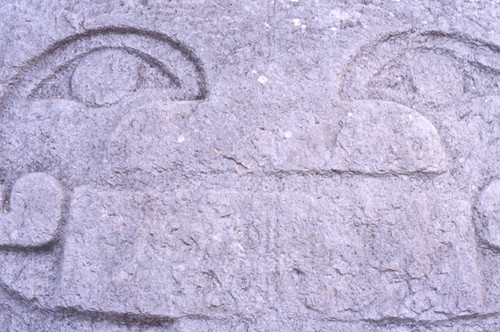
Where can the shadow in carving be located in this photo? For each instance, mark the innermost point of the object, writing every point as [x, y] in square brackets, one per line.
[413, 67]
[48, 74]
[409, 149]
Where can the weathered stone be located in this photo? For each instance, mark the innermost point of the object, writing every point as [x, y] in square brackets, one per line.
[35, 212]
[249, 166]
[488, 221]
[380, 137]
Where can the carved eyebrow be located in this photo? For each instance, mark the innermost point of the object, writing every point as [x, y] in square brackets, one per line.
[374, 56]
[175, 60]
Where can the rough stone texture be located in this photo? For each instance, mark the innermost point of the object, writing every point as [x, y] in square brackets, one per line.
[387, 138]
[281, 165]
[35, 212]
[488, 219]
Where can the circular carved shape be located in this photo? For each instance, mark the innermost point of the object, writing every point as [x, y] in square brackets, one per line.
[103, 78]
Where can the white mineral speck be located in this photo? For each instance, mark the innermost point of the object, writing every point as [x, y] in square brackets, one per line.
[180, 139]
[263, 79]
[296, 21]
[288, 134]
[339, 15]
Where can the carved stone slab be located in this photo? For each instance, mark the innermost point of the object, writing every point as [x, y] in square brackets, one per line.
[249, 166]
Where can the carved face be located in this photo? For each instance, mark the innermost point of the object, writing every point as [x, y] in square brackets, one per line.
[174, 207]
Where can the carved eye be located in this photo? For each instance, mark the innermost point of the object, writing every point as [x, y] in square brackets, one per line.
[101, 66]
[412, 68]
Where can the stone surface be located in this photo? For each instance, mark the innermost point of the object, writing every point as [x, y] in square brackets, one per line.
[386, 138]
[35, 212]
[488, 220]
[283, 165]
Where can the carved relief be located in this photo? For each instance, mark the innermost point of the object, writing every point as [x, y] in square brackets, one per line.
[385, 151]
[374, 208]
[87, 81]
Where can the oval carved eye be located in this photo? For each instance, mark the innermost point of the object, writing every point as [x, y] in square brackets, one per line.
[100, 66]
[426, 67]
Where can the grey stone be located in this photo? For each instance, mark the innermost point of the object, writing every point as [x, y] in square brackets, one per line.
[281, 165]
[488, 222]
[370, 248]
[382, 137]
[35, 212]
